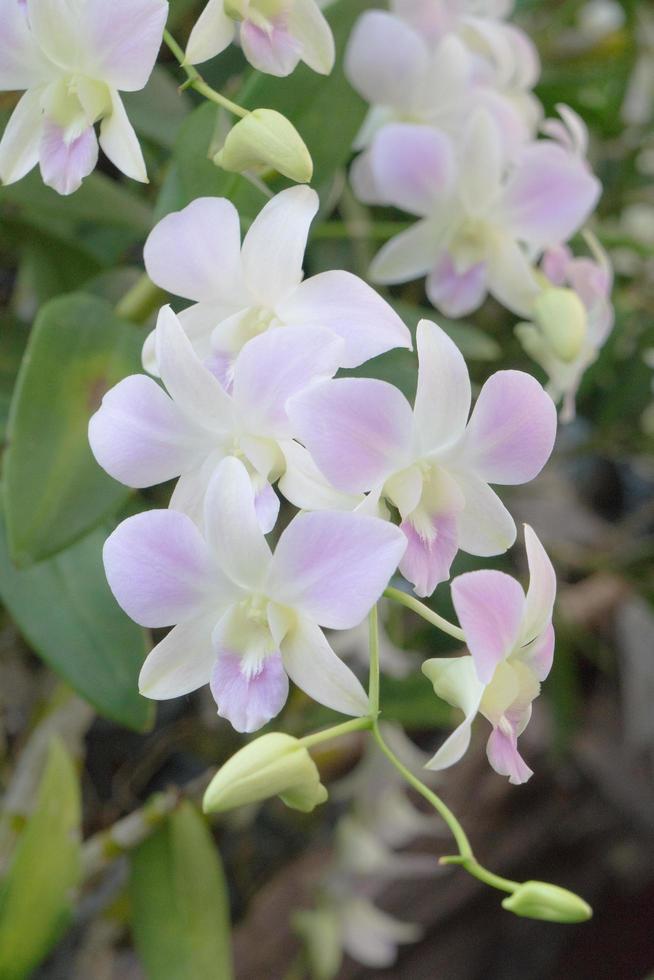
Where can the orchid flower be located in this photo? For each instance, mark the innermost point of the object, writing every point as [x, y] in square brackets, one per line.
[238, 293]
[246, 620]
[431, 463]
[142, 435]
[73, 59]
[511, 643]
[483, 223]
[408, 75]
[275, 34]
[571, 320]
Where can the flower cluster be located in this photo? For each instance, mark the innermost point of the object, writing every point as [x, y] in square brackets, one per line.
[73, 59]
[246, 406]
[452, 139]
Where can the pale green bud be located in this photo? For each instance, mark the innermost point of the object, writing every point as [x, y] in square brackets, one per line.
[562, 317]
[540, 900]
[266, 139]
[272, 765]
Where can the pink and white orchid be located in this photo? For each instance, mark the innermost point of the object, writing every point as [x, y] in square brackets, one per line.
[241, 292]
[432, 463]
[484, 221]
[142, 435]
[410, 74]
[572, 318]
[511, 642]
[275, 34]
[246, 620]
[73, 59]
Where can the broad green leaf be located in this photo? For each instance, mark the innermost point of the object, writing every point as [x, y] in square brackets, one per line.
[36, 897]
[65, 611]
[179, 901]
[99, 200]
[54, 490]
[13, 338]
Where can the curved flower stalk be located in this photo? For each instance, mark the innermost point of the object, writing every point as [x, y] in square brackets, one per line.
[483, 220]
[572, 320]
[142, 435]
[73, 59]
[275, 34]
[432, 463]
[239, 292]
[246, 620]
[511, 643]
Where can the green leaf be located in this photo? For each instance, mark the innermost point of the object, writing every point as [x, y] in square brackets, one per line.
[13, 338]
[54, 490]
[36, 897]
[99, 200]
[159, 109]
[473, 342]
[179, 901]
[66, 612]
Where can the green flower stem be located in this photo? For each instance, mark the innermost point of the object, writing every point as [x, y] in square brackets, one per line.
[465, 858]
[140, 301]
[373, 686]
[356, 725]
[419, 607]
[196, 81]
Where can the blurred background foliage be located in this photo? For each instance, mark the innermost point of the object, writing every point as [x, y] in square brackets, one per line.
[107, 868]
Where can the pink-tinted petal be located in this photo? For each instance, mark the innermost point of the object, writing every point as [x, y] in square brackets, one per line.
[428, 558]
[122, 39]
[503, 755]
[248, 698]
[309, 26]
[22, 64]
[555, 264]
[196, 253]
[212, 33]
[542, 587]
[456, 293]
[443, 395]
[482, 162]
[412, 166]
[312, 664]
[333, 566]
[139, 436]
[348, 306]
[385, 59]
[266, 505]
[274, 51]
[512, 429]
[159, 568]
[490, 607]
[455, 681]
[305, 486]
[549, 196]
[485, 526]
[120, 143]
[410, 254]
[195, 390]
[273, 249]
[358, 430]
[276, 365]
[21, 140]
[182, 661]
[64, 165]
[539, 655]
[232, 527]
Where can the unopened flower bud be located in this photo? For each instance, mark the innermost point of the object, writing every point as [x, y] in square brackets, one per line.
[272, 765]
[540, 900]
[265, 138]
[562, 317]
